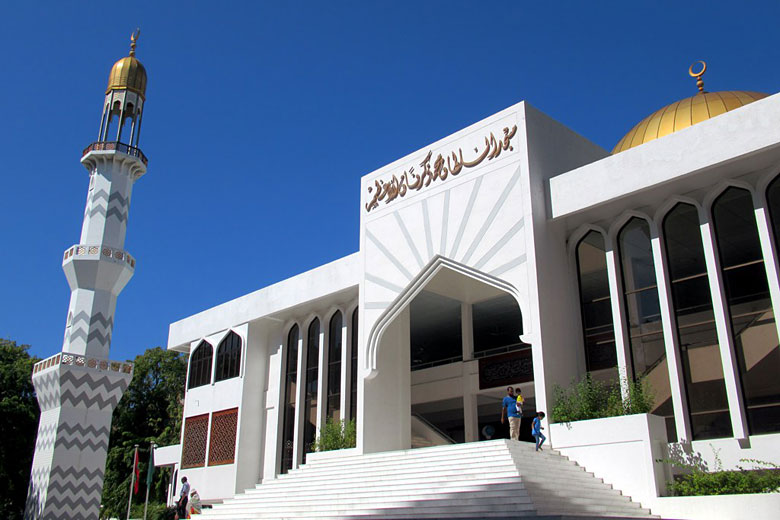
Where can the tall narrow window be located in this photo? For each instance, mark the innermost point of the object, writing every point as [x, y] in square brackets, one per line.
[334, 367]
[228, 357]
[312, 380]
[697, 336]
[648, 352]
[750, 307]
[200, 365]
[290, 391]
[595, 304]
[353, 368]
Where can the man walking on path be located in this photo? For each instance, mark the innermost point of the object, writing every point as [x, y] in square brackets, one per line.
[509, 410]
[181, 505]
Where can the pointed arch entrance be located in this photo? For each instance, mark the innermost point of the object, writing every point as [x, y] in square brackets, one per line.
[481, 315]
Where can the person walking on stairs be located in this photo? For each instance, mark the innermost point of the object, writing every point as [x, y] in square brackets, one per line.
[536, 430]
[509, 411]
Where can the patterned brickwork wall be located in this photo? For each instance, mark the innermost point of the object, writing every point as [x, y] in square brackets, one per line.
[222, 445]
[193, 453]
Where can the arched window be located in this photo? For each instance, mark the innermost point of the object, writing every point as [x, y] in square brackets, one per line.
[290, 393]
[697, 336]
[750, 307]
[595, 304]
[228, 357]
[334, 367]
[353, 368]
[312, 381]
[647, 348]
[200, 365]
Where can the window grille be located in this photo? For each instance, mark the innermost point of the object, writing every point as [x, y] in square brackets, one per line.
[222, 445]
[193, 453]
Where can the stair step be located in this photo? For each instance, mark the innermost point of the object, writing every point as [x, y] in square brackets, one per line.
[492, 479]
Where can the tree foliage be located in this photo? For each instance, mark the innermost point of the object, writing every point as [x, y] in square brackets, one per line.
[150, 411]
[18, 427]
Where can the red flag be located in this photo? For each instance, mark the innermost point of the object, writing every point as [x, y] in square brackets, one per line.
[136, 472]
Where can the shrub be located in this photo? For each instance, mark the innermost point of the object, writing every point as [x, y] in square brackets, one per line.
[592, 399]
[336, 435]
[763, 477]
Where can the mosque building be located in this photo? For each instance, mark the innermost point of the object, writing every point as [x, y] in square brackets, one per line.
[514, 252]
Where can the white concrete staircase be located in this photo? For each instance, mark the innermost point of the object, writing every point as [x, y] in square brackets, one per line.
[494, 479]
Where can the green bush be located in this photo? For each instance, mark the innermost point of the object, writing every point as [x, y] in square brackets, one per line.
[592, 399]
[763, 477]
[337, 435]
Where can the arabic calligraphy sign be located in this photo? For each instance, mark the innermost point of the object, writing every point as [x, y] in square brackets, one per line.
[443, 167]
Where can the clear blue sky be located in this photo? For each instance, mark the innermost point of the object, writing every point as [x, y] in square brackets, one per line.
[261, 117]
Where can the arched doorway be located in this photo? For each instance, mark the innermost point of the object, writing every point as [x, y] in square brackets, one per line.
[443, 353]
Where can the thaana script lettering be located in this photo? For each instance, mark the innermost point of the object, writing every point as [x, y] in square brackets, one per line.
[453, 164]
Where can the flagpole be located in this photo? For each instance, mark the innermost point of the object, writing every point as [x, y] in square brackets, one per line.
[148, 479]
[132, 483]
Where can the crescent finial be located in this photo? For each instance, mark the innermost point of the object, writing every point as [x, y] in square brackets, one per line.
[134, 40]
[698, 75]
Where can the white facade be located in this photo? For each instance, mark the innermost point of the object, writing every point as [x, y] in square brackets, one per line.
[497, 210]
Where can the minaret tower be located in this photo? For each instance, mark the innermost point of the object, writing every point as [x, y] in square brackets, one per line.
[79, 388]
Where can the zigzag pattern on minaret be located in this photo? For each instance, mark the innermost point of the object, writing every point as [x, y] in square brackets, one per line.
[47, 390]
[108, 205]
[88, 390]
[86, 328]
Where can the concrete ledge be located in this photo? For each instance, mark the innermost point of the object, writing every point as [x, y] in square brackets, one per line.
[620, 450]
[319, 456]
[719, 507]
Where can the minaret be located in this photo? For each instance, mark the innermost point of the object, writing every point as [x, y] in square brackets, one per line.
[79, 388]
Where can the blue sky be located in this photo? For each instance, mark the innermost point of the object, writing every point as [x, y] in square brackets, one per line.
[261, 117]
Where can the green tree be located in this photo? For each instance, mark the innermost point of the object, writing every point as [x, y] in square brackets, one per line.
[18, 426]
[150, 411]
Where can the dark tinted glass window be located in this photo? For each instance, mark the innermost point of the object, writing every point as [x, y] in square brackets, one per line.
[290, 393]
[436, 336]
[497, 324]
[595, 303]
[648, 351]
[696, 333]
[334, 366]
[312, 382]
[353, 368]
[200, 365]
[228, 357]
[750, 307]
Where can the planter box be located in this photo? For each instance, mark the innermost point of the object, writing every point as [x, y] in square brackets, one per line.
[319, 456]
[623, 451]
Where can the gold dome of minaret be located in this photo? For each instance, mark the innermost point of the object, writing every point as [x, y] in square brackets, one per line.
[128, 73]
[686, 112]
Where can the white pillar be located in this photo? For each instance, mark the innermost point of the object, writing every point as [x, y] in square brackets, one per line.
[671, 342]
[723, 325]
[346, 367]
[322, 380]
[768, 250]
[622, 341]
[300, 381]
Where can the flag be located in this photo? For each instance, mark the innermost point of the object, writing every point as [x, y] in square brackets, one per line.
[150, 473]
[136, 472]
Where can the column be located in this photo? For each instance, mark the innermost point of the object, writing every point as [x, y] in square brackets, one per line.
[723, 325]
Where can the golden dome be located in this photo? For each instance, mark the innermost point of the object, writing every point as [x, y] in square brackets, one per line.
[128, 73]
[685, 113]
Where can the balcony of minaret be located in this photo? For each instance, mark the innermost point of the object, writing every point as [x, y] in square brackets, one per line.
[101, 151]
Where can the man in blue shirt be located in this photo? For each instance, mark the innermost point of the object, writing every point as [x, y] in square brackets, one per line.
[509, 410]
